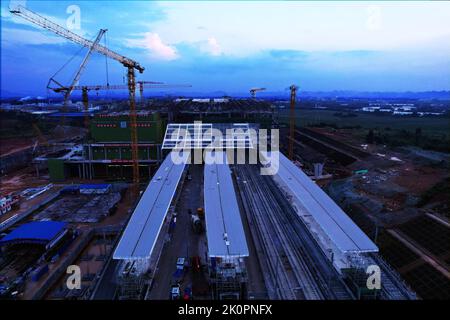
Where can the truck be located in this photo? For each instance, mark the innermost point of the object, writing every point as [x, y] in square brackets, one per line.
[197, 225]
[201, 213]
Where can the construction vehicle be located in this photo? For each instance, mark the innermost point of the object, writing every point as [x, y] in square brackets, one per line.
[201, 213]
[197, 225]
[8, 203]
[293, 89]
[254, 90]
[128, 63]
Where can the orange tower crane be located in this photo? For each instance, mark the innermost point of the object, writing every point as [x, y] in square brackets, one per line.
[128, 63]
[142, 84]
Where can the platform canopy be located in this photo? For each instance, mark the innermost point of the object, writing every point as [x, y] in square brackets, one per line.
[201, 135]
[224, 230]
[142, 230]
[39, 232]
[335, 223]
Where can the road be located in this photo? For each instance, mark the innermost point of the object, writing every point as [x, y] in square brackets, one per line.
[191, 197]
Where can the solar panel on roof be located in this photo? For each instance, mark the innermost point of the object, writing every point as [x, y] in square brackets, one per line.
[200, 135]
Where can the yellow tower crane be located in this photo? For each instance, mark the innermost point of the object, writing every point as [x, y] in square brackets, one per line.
[128, 63]
[293, 89]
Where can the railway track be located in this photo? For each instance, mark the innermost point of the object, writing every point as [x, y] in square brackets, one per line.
[294, 271]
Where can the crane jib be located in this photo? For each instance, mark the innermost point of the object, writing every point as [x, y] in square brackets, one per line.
[51, 26]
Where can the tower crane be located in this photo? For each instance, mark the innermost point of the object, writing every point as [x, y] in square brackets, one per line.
[67, 91]
[128, 63]
[142, 84]
[141, 89]
[254, 90]
[293, 89]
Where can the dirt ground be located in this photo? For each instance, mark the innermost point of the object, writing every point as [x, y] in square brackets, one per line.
[9, 146]
[20, 180]
[418, 179]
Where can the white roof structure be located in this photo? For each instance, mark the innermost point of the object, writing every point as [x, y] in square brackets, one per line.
[338, 227]
[224, 230]
[202, 135]
[141, 233]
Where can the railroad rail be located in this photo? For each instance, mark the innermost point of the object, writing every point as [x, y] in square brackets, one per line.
[297, 267]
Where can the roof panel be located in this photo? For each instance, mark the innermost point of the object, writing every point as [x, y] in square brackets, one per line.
[346, 235]
[141, 233]
[43, 231]
[200, 135]
[224, 230]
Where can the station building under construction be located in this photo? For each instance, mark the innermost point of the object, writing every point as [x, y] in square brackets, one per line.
[340, 249]
[107, 152]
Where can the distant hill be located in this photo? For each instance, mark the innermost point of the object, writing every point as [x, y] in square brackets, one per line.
[123, 94]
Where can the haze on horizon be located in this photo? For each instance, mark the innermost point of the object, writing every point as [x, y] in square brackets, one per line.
[232, 46]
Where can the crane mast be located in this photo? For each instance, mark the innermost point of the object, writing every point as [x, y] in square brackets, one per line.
[130, 64]
[293, 89]
[68, 90]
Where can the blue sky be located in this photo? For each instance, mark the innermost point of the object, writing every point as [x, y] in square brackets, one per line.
[233, 46]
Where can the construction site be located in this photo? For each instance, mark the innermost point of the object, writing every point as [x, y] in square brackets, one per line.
[158, 199]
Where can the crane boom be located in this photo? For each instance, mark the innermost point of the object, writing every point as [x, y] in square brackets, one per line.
[84, 62]
[254, 90]
[130, 64]
[55, 28]
[123, 86]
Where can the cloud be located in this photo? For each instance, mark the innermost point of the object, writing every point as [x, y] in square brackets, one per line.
[155, 46]
[244, 28]
[214, 47]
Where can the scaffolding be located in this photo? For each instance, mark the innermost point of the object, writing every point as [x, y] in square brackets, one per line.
[228, 277]
[132, 277]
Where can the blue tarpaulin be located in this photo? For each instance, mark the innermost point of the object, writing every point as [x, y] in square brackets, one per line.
[94, 186]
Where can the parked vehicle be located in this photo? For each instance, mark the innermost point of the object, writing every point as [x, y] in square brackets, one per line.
[197, 225]
[196, 264]
[8, 203]
[187, 293]
[175, 292]
[179, 272]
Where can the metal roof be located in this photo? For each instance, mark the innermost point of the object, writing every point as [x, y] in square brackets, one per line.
[224, 230]
[341, 230]
[199, 135]
[34, 232]
[141, 233]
